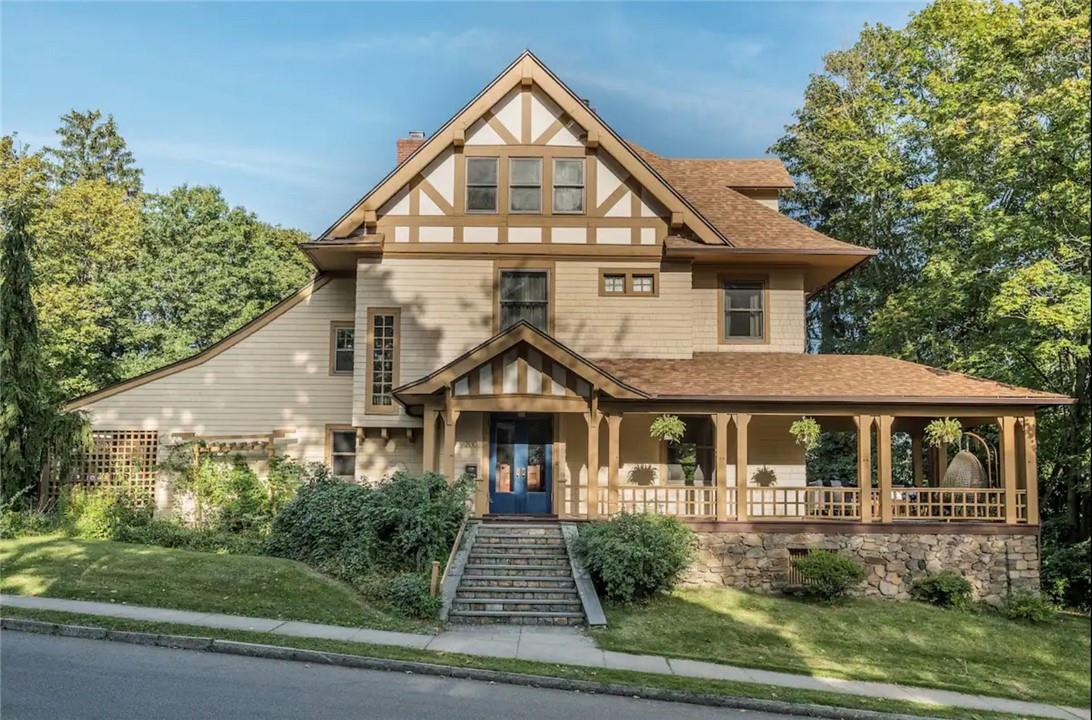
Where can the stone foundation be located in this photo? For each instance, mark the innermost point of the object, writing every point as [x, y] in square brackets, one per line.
[995, 562]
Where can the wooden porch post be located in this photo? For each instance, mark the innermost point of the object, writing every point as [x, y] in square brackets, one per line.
[916, 443]
[883, 441]
[1031, 467]
[1006, 435]
[428, 439]
[592, 418]
[451, 419]
[614, 460]
[864, 465]
[741, 420]
[720, 424]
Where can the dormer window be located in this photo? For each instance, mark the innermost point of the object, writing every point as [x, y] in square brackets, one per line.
[481, 184]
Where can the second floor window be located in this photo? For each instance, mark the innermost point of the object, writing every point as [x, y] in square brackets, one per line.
[568, 185]
[383, 355]
[481, 184]
[525, 185]
[524, 295]
[744, 310]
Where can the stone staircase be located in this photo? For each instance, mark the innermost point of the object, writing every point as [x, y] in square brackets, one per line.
[517, 573]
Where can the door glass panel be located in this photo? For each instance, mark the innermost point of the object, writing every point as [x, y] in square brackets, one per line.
[505, 456]
[536, 467]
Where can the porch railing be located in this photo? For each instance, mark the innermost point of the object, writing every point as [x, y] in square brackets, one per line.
[804, 503]
[699, 502]
[948, 504]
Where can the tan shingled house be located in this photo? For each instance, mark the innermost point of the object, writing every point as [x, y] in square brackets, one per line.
[526, 291]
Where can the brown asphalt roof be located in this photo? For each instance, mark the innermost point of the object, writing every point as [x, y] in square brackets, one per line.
[747, 223]
[805, 377]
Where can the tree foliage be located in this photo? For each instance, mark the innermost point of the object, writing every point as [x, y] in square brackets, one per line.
[91, 148]
[959, 147]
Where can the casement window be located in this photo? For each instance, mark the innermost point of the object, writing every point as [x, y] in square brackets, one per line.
[568, 190]
[744, 310]
[382, 354]
[628, 283]
[341, 452]
[341, 348]
[524, 295]
[525, 185]
[481, 184]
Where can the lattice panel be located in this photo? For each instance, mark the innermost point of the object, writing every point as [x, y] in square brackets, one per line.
[119, 458]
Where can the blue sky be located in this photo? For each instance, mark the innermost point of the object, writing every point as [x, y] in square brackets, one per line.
[293, 108]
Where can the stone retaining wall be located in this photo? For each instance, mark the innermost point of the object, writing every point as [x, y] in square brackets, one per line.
[994, 563]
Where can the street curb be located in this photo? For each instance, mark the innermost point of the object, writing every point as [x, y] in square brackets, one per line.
[317, 657]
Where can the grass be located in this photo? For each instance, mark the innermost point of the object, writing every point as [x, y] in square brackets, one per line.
[63, 567]
[636, 679]
[909, 643]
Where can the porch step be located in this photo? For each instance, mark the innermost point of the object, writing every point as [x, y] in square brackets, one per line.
[517, 573]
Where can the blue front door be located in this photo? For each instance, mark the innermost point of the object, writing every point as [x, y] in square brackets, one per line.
[520, 464]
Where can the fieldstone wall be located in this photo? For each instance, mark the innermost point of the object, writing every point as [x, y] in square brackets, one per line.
[995, 563]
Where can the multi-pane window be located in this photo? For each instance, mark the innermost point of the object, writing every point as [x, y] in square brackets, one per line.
[342, 347]
[744, 311]
[524, 295]
[383, 354]
[525, 185]
[568, 190]
[343, 453]
[481, 184]
[614, 284]
[643, 284]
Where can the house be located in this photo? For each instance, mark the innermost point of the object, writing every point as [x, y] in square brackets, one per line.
[526, 291]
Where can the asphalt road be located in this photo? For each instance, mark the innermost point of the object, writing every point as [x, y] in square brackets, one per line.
[60, 678]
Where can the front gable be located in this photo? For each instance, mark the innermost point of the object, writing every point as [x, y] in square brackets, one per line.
[525, 113]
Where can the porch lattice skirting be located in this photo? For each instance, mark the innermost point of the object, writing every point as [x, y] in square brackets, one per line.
[995, 563]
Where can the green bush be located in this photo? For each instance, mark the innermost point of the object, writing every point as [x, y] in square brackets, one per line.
[945, 588]
[1028, 607]
[101, 513]
[171, 534]
[1067, 574]
[405, 593]
[828, 575]
[19, 523]
[636, 555]
[351, 531]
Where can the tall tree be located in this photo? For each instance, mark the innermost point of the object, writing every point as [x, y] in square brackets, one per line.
[91, 148]
[959, 147]
[23, 409]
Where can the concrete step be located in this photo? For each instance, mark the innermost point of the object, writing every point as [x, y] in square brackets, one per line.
[549, 582]
[520, 540]
[520, 530]
[496, 568]
[520, 550]
[486, 593]
[480, 617]
[516, 605]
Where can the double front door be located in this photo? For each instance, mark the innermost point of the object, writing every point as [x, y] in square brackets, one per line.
[520, 464]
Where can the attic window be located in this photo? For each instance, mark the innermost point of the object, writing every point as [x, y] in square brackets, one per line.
[568, 185]
[481, 184]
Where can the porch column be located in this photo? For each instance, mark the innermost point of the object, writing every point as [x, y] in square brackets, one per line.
[1006, 436]
[614, 460]
[593, 418]
[916, 443]
[883, 462]
[428, 439]
[741, 420]
[720, 463]
[451, 418]
[864, 465]
[1031, 466]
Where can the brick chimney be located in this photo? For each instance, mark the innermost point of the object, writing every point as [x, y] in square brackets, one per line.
[410, 143]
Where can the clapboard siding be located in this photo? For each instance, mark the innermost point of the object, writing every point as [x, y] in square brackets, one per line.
[786, 311]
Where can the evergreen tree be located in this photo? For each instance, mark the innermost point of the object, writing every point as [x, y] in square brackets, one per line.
[92, 149]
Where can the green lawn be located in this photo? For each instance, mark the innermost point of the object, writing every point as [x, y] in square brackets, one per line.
[63, 567]
[908, 643]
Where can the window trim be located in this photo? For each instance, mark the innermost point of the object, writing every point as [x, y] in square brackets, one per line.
[722, 280]
[329, 450]
[583, 187]
[501, 265]
[467, 185]
[628, 273]
[336, 325]
[511, 185]
[393, 408]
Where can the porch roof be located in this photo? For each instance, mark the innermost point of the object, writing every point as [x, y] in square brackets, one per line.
[801, 377]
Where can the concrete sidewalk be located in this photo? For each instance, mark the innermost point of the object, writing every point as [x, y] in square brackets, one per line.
[565, 646]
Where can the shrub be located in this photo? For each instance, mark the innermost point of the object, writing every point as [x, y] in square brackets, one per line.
[1028, 607]
[636, 555]
[171, 534]
[18, 523]
[101, 512]
[407, 594]
[946, 589]
[1067, 574]
[828, 575]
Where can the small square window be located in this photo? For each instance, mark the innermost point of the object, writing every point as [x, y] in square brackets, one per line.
[643, 284]
[615, 284]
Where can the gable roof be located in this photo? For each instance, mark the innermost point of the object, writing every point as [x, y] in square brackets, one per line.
[738, 173]
[521, 332]
[528, 70]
